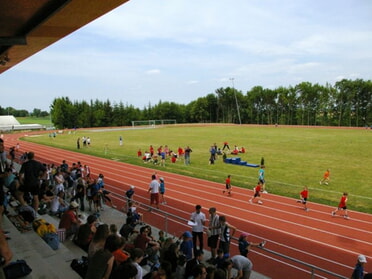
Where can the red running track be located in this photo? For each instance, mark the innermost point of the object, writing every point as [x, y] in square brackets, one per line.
[315, 237]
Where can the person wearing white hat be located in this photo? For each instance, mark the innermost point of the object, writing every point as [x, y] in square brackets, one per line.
[358, 272]
[69, 220]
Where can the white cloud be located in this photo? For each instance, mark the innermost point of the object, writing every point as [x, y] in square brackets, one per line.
[179, 50]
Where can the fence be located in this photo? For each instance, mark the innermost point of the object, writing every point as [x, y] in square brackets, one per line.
[165, 220]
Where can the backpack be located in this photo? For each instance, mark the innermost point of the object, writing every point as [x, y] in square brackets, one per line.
[17, 269]
[47, 232]
[80, 266]
[42, 227]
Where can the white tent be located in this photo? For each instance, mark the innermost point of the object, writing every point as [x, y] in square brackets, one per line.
[9, 123]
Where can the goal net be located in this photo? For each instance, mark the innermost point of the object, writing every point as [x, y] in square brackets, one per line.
[153, 123]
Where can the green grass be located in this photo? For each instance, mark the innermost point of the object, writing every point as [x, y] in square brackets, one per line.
[294, 157]
[45, 121]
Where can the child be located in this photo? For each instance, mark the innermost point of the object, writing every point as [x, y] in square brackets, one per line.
[342, 206]
[161, 239]
[245, 246]
[162, 190]
[186, 246]
[228, 185]
[326, 178]
[304, 195]
[257, 193]
[220, 259]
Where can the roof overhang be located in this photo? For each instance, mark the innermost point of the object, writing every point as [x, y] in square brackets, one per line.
[28, 26]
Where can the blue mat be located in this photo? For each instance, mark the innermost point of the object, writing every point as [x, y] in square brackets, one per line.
[252, 165]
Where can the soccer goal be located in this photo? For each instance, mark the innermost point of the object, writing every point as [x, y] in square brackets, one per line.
[153, 123]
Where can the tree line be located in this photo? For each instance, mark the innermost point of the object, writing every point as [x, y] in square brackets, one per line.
[346, 103]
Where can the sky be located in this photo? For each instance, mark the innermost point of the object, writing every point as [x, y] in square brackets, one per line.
[147, 51]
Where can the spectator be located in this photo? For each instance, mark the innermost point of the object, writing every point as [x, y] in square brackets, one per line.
[99, 239]
[129, 193]
[198, 259]
[171, 255]
[86, 232]
[3, 176]
[198, 218]
[127, 229]
[147, 244]
[69, 220]
[162, 190]
[243, 266]
[358, 272]
[227, 231]
[187, 153]
[137, 257]
[127, 270]
[154, 190]
[187, 245]
[58, 205]
[119, 254]
[101, 263]
[245, 246]
[30, 174]
[80, 193]
[199, 272]
[5, 253]
[213, 232]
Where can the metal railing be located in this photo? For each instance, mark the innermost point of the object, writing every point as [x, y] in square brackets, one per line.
[175, 218]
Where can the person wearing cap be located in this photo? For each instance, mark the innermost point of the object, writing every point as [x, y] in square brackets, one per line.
[69, 220]
[245, 245]
[186, 245]
[358, 272]
[162, 190]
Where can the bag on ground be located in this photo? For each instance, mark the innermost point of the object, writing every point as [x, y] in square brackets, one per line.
[17, 269]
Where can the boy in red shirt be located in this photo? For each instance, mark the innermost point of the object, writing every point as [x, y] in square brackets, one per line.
[257, 193]
[342, 206]
[304, 195]
[228, 185]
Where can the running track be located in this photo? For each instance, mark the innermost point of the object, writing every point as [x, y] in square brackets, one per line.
[314, 237]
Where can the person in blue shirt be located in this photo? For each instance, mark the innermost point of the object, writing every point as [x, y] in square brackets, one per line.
[162, 190]
[358, 272]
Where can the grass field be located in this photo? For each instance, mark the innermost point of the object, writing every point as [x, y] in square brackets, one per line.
[45, 121]
[294, 156]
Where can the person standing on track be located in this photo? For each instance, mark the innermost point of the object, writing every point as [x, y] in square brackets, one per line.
[304, 195]
[162, 190]
[342, 206]
[154, 190]
[227, 185]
